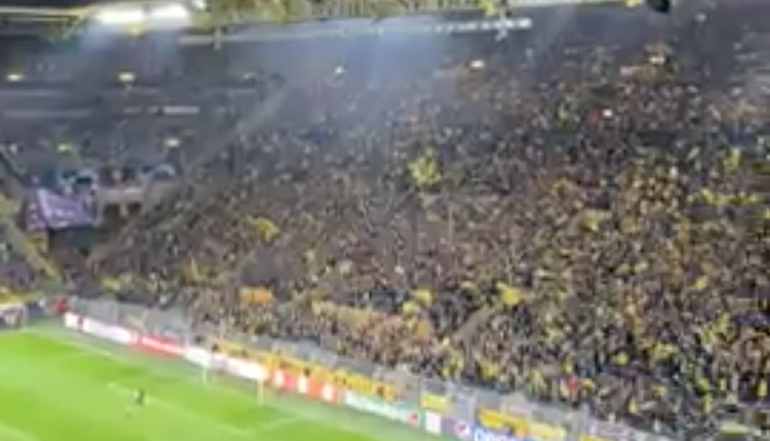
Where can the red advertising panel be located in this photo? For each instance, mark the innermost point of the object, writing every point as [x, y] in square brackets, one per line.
[309, 387]
[289, 383]
[159, 345]
[321, 391]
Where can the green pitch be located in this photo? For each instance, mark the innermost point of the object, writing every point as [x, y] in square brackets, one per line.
[57, 386]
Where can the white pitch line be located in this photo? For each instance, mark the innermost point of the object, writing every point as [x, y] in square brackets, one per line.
[181, 410]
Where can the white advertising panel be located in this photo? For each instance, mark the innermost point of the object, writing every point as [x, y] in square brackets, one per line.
[72, 321]
[108, 332]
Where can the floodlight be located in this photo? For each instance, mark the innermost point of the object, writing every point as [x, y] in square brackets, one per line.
[477, 64]
[126, 77]
[200, 5]
[169, 13]
[121, 17]
[14, 77]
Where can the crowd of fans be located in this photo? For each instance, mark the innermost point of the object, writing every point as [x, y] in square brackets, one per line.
[581, 215]
[578, 212]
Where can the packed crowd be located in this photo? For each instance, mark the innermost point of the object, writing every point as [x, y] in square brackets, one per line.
[579, 212]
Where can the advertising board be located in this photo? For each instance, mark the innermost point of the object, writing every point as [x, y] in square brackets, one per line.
[72, 321]
[11, 315]
[340, 378]
[309, 387]
[546, 432]
[398, 412]
[108, 332]
[467, 431]
[433, 423]
[199, 356]
[607, 431]
[436, 403]
[159, 345]
[499, 422]
[245, 369]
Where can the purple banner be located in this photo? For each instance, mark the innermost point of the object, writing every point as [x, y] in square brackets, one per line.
[48, 210]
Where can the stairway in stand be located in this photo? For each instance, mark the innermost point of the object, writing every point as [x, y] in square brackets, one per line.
[11, 176]
[479, 318]
[22, 243]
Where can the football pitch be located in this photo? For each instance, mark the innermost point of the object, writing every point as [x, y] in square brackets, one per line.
[60, 386]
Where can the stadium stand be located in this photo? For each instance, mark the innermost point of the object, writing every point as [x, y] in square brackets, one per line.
[16, 272]
[578, 212]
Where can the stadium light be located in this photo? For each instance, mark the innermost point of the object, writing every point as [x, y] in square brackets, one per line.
[126, 77]
[14, 77]
[201, 5]
[121, 17]
[65, 147]
[477, 65]
[169, 13]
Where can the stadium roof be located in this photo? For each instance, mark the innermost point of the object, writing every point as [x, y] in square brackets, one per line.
[57, 18]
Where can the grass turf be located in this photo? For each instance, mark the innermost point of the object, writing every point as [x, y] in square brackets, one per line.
[60, 386]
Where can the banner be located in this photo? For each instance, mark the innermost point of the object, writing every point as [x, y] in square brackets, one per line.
[399, 412]
[72, 321]
[363, 385]
[48, 210]
[307, 387]
[108, 332]
[199, 356]
[436, 403]
[602, 431]
[236, 350]
[11, 315]
[159, 345]
[466, 431]
[546, 432]
[501, 422]
[245, 369]
[433, 423]
[341, 378]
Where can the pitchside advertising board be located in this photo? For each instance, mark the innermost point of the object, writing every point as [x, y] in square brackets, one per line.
[395, 411]
[11, 315]
[15, 314]
[468, 431]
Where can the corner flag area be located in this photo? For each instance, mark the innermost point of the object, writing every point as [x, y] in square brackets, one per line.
[58, 386]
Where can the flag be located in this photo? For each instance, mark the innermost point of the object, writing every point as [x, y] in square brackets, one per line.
[46, 209]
